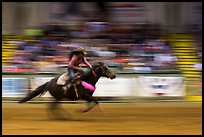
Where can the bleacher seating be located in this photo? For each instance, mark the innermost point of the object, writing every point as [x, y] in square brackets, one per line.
[185, 50]
[8, 48]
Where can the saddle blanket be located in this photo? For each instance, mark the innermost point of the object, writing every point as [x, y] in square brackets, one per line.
[62, 79]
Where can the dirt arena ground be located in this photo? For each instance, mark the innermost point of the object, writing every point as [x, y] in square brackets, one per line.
[160, 118]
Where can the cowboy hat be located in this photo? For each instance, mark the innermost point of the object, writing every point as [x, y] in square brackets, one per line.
[82, 50]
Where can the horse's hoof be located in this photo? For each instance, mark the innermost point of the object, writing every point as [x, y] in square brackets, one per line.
[81, 111]
[21, 101]
[84, 111]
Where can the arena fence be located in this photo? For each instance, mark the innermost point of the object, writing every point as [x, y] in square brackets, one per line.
[128, 85]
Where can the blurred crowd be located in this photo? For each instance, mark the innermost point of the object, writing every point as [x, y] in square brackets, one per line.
[124, 47]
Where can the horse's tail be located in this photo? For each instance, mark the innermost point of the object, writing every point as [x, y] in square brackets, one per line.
[39, 90]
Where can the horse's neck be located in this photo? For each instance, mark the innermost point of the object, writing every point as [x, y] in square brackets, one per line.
[92, 79]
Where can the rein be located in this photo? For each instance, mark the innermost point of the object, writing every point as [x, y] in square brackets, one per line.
[94, 73]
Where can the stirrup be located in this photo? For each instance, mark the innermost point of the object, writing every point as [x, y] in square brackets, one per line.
[66, 88]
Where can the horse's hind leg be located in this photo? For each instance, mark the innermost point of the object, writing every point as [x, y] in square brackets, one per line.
[53, 108]
[56, 111]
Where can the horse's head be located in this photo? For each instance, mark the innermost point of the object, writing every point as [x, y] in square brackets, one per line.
[102, 69]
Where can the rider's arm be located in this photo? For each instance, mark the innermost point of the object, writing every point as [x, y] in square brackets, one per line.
[72, 61]
[87, 63]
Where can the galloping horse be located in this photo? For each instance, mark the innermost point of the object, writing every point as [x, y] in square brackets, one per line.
[79, 91]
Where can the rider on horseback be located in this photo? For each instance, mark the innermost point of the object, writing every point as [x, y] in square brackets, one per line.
[76, 58]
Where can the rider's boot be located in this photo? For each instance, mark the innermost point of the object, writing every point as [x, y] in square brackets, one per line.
[69, 84]
[66, 86]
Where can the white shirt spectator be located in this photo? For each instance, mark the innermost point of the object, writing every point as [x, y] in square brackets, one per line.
[198, 66]
[165, 58]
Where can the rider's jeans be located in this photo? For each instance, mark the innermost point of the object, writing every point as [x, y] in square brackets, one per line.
[71, 76]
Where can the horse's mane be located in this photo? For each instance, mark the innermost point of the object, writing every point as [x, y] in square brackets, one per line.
[96, 64]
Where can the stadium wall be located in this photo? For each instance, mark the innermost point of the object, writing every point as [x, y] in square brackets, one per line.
[123, 86]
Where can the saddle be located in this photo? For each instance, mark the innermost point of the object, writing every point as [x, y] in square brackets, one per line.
[62, 80]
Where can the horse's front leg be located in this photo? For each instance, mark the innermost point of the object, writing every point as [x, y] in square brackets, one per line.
[100, 108]
[93, 106]
[90, 99]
